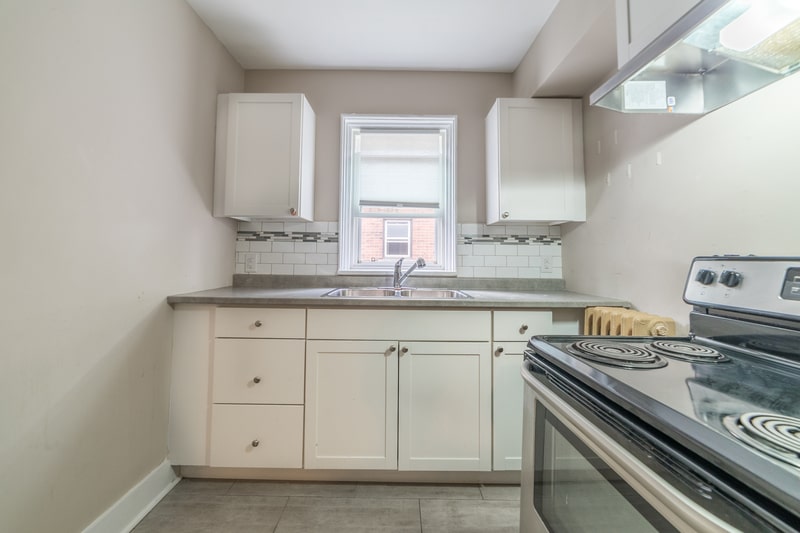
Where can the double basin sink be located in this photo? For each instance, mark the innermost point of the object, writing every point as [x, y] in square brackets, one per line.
[388, 292]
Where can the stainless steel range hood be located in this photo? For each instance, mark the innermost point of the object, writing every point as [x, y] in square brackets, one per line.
[718, 52]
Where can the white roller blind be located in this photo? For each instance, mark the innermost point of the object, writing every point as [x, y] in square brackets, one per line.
[399, 168]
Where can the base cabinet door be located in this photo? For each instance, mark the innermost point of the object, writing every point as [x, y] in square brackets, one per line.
[351, 405]
[445, 406]
[507, 405]
[257, 436]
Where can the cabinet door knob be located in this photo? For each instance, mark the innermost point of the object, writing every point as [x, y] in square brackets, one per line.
[505, 214]
[498, 351]
[404, 349]
[256, 379]
[392, 348]
[255, 443]
[258, 323]
[293, 212]
[523, 328]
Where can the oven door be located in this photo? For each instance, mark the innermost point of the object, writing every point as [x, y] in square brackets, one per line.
[575, 477]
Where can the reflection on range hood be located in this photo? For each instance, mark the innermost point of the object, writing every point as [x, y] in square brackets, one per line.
[718, 52]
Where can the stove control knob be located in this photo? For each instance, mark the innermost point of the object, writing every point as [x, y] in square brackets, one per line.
[706, 277]
[729, 278]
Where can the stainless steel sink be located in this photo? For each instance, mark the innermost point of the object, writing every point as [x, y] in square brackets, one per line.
[417, 294]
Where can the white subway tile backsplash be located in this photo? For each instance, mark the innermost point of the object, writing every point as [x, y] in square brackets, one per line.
[296, 248]
[327, 247]
[283, 270]
[507, 272]
[517, 261]
[317, 259]
[271, 258]
[495, 260]
[260, 246]
[506, 249]
[305, 270]
[283, 247]
[326, 270]
[465, 272]
[483, 249]
[270, 226]
[530, 273]
[294, 259]
[474, 261]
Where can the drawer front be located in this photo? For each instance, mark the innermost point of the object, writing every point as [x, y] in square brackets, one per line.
[259, 371]
[396, 324]
[521, 325]
[258, 436]
[255, 323]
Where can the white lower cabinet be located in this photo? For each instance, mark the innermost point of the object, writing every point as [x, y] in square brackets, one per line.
[421, 404]
[445, 406]
[511, 331]
[507, 406]
[351, 404]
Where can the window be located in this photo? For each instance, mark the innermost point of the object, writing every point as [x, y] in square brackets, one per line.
[397, 193]
[397, 238]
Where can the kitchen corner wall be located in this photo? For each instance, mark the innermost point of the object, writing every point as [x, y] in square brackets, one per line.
[312, 249]
[107, 130]
[663, 189]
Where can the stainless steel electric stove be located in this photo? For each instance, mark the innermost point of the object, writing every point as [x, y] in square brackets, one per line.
[678, 433]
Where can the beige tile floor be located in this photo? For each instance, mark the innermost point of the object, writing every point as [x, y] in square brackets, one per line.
[204, 506]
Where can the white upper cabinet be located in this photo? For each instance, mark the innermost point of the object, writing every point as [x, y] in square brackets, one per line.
[264, 165]
[640, 22]
[534, 161]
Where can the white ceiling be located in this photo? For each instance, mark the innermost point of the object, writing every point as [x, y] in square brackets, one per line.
[464, 35]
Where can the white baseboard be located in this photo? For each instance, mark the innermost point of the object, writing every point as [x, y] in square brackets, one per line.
[137, 502]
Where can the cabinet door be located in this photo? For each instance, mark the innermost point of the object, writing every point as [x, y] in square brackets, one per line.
[351, 405]
[640, 22]
[445, 406]
[507, 405]
[264, 156]
[535, 171]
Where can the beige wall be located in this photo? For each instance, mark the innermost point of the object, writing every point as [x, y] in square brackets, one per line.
[728, 183]
[331, 93]
[108, 136]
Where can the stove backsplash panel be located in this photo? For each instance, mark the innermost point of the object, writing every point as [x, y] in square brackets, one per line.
[312, 249]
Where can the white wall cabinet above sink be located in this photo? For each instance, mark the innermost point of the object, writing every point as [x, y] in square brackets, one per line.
[640, 22]
[264, 165]
[534, 161]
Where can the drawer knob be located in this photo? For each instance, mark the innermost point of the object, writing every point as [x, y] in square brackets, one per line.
[258, 323]
[523, 328]
[255, 443]
[498, 351]
[506, 214]
[404, 349]
[293, 212]
[392, 348]
[257, 379]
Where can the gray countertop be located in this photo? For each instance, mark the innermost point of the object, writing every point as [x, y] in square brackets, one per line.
[314, 297]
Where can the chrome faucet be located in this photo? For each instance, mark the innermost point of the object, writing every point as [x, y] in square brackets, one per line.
[399, 277]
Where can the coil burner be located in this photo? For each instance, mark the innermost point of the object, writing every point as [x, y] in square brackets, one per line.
[775, 435]
[685, 351]
[616, 354]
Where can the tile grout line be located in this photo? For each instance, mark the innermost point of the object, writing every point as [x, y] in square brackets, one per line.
[283, 510]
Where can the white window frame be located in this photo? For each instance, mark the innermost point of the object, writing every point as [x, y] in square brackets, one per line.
[386, 239]
[348, 202]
